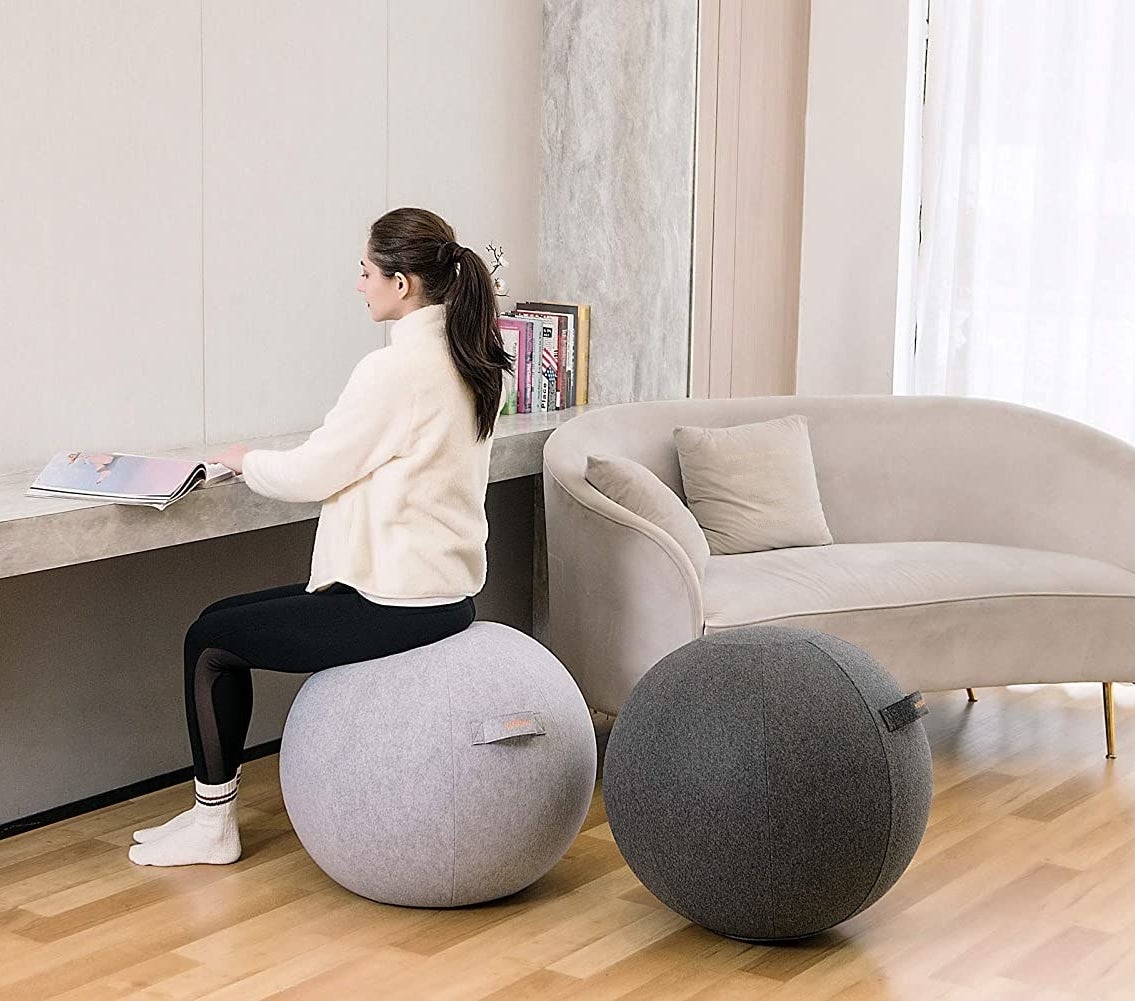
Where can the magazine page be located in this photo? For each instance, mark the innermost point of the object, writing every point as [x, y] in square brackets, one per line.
[218, 472]
[117, 476]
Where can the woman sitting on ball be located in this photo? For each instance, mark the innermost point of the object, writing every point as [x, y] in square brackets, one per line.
[401, 464]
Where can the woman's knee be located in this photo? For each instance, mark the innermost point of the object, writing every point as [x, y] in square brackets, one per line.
[193, 644]
[217, 606]
[199, 636]
[233, 601]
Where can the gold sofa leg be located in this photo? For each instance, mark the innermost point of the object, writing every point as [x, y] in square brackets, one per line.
[972, 694]
[1109, 717]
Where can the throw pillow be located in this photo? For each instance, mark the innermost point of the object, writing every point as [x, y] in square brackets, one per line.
[631, 485]
[753, 487]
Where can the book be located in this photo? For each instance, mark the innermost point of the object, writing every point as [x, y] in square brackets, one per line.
[579, 345]
[522, 325]
[511, 332]
[531, 339]
[552, 358]
[562, 386]
[124, 478]
[582, 352]
[545, 358]
[570, 364]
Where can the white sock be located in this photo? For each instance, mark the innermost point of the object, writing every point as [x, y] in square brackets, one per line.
[210, 837]
[183, 819]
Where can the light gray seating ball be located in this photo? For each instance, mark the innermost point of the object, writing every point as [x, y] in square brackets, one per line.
[754, 786]
[450, 774]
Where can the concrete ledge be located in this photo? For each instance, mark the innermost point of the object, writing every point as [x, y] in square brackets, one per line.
[41, 533]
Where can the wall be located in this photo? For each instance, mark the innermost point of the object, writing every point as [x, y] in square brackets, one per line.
[186, 188]
[860, 193]
[616, 182]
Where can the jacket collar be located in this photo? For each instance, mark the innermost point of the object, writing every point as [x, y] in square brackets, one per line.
[426, 321]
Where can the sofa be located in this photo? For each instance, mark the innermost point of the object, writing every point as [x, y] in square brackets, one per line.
[975, 543]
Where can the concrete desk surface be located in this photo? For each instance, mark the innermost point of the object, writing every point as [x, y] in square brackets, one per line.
[41, 533]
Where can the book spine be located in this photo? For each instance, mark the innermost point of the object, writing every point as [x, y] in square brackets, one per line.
[520, 372]
[583, 351]
[512, 347]
[561, 363]
[529, 365]
[548, 367]
[521, 366]
[572, 377]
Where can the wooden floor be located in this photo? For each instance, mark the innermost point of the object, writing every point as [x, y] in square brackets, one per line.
[1023, 888]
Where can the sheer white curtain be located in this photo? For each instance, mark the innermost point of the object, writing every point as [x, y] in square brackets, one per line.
[1026, 276]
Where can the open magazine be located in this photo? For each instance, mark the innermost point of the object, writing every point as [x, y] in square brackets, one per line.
[123, 478]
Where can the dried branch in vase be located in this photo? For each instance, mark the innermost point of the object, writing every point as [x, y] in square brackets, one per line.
[500, 286]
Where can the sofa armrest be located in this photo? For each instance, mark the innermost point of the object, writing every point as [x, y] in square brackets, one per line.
[622, 593]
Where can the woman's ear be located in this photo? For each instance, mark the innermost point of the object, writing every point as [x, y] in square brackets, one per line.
[402, 284]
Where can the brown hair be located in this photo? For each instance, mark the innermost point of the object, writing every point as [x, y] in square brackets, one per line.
[420, 243]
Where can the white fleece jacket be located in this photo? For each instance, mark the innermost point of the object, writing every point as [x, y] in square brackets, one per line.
[399, 472]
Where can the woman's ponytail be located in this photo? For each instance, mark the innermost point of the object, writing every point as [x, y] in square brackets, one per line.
[474, 337]
[419, 242]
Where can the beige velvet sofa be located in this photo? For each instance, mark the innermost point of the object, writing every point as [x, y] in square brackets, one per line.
[977, 543]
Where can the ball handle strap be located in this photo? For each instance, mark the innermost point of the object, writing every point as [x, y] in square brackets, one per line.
[904, 712]
[498, 728]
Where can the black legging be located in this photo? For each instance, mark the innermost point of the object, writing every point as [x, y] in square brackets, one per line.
[287, 629]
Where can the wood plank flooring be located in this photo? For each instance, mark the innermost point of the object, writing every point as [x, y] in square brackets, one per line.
[1023, 888]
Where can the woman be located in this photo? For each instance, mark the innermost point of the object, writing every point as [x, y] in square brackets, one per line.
[401, 464]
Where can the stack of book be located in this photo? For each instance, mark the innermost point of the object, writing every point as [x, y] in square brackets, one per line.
[549, 342]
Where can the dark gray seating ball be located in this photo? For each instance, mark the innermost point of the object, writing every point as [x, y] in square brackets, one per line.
[754, 786]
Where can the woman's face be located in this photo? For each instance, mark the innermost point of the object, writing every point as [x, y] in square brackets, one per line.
[384, 299]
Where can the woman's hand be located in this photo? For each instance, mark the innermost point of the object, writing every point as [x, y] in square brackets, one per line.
[233, 457]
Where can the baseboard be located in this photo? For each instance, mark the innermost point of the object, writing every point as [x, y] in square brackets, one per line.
[115, 796]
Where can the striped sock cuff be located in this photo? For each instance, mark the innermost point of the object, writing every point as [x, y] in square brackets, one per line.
[219, 794]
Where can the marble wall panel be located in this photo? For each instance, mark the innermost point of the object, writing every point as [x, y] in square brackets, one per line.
[616, 185]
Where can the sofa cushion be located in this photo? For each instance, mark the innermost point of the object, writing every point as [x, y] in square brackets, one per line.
[752, 487]
[995, 613]
[633, 486]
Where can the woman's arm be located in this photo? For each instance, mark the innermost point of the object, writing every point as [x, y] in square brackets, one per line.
[368, 425]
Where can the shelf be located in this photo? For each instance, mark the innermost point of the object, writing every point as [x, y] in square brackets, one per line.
[41, 533]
